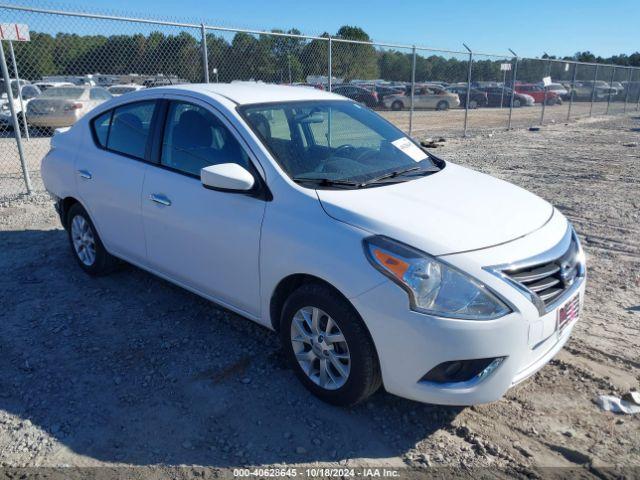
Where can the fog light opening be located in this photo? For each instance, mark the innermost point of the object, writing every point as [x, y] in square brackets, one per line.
[458, 371]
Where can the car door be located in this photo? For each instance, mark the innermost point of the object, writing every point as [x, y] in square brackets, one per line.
[419, 95]
[110, 172]
[431, 98]
[203, 239]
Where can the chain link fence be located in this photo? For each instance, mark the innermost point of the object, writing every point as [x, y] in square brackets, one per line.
[76, 60]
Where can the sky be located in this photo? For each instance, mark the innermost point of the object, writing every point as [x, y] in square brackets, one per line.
[559, 27]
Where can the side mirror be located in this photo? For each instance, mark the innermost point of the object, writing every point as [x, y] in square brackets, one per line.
[227, 177]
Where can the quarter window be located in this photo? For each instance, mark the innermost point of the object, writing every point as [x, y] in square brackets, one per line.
[101, 128]
[194, 138]
[129, 130]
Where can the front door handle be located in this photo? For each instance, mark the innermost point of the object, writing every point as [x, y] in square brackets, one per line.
[161, 199]
[86, 174]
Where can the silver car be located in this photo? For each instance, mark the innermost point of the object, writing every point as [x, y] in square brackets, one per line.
[430, 96]
[63, 106]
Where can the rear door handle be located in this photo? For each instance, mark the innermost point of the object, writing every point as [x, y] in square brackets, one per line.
[161, 199]
[85, 174]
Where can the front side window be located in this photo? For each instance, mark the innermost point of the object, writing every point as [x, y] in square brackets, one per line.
[30, 91]
[194, 138]
[129, 131]
[333, 140]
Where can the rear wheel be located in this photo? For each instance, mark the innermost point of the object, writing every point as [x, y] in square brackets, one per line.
[328, 346]
[473, 104]
[397, 105]
[86, 245]
[516, 103]
[442, 105]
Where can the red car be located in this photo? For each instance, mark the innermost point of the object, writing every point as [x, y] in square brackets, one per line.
[538, 93]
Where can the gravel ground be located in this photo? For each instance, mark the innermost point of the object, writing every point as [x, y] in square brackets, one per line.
[130, 370]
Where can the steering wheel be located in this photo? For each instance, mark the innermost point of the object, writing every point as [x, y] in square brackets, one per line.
[344, 149]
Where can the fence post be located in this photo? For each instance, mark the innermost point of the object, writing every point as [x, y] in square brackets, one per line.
[413, 89]
[15, 73]
[466, 103]
[513, 87]
[626, 93]
[544, 98]
[205, 55]
[638, 102]
[330, 85]
[14, 118]
[613, 73]
[573, 86]
[593, 90]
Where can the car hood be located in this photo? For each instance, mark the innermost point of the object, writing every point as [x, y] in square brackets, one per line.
[451, 211]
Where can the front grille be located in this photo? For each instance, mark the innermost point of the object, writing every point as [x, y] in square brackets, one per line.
[549, 280]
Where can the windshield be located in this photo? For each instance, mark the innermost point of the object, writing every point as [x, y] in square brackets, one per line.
[333, 140]
[64, 92]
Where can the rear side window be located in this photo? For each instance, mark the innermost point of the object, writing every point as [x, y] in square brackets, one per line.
[125, 129]
[130, 127]
[101, 128]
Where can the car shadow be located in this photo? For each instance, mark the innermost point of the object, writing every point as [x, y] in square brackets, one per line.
[129, 368]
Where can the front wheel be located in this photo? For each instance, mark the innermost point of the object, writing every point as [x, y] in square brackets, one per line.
[473, 104]
[86, 245]
[328, 346]
[397, 105]
[442, 105]
[516, 103]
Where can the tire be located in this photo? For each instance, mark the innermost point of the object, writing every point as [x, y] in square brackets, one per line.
[516, 103]
[86, 246]
[397, 105]
[358, 360]
[442, 105]
[552, 101]
[473, 104]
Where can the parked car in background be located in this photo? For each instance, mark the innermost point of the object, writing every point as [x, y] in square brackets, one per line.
[383, 91]
[559, 89]
[395, 267]
[28, 92]
[501, 96]
[117, 90]
[477, 98]
[63, 106]
[43, 86]
[358, 94]
[538, 93]
[585, 89]
[425, 97]
[619, 90]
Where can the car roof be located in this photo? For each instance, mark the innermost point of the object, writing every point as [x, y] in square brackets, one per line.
[244, 93]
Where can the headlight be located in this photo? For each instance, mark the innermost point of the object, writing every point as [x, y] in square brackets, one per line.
[434, 287]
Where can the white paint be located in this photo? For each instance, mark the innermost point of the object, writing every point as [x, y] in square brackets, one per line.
[17, 32]
[234, 249]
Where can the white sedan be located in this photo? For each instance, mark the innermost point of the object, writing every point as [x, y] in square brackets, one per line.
[377, 262]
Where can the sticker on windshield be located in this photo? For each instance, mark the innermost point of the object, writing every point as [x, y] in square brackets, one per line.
[409, 148]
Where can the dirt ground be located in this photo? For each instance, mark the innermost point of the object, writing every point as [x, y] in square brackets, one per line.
[130, 370]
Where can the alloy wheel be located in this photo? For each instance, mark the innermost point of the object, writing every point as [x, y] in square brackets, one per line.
[84, 242]
[320, 348]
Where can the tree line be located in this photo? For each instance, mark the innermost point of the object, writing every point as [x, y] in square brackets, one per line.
[269, 58]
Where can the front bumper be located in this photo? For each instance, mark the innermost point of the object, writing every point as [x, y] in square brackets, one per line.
[410, 344]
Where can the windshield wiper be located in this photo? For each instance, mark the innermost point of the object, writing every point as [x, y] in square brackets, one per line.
[327, 182]
[397, 173]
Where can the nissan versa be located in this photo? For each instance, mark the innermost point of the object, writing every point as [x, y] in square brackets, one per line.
[377, 262]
